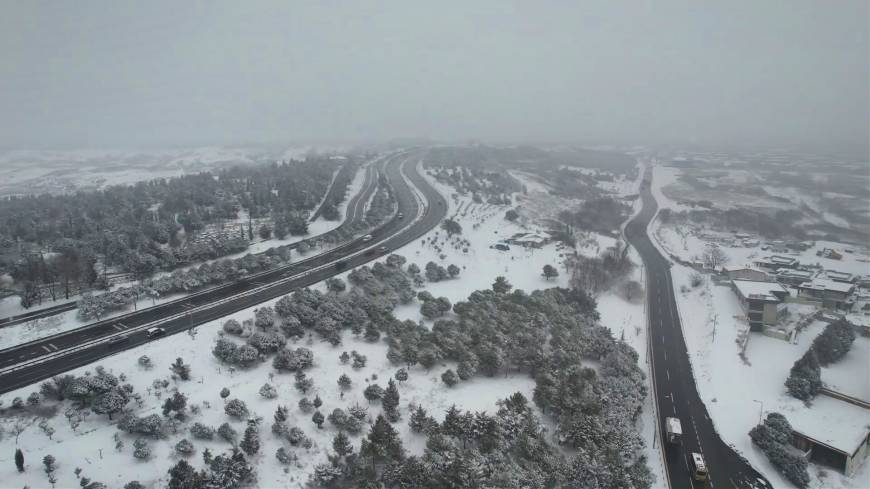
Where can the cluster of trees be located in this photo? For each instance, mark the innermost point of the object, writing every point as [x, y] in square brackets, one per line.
[597, 274]
[547, 333]
[227, 471]
[143, 227]
[773, 436]
[102, 391]
[436, 273]
[602, 215]
[92, 306]
[495, 187]
[832, 344]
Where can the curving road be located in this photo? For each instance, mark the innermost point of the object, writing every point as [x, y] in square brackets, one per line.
[422, 210]
[673, 381]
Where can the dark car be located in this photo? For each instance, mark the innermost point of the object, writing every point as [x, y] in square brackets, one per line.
[155, 332]
[340, 265]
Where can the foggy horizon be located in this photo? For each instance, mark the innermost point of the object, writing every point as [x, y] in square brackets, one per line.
[157, 75]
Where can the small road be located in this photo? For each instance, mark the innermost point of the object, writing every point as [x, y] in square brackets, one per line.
[673, 381]
[38, 360]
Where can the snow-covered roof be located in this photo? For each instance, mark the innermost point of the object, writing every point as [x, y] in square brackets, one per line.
[791, 272]
[759, 290]
[826, 284]
[835, 275]
[836, 423]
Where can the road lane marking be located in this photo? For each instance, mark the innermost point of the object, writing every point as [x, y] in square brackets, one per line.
[52, 346]
[117, 327]
[46, 348]
[122, 325]
[668, 373]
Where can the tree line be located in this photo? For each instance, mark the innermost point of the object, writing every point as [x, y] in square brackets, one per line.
[58, 240]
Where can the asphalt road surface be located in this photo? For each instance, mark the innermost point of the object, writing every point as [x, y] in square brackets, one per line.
[673, 381]
[38, 360]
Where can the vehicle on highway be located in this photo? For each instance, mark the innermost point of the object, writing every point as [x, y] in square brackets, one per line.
[674, 430]
[369, 252]
[117, 339]
[154, 332]
[367, 238]
[400, 215]
[340, 265]
[699, 468]
[383, 249]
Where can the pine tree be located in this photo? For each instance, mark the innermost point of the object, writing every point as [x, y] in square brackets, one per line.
[401, 375]
[390, 401]
[341, 444]
[383, 443]
[19, 460]
[318, 418]
[251, 440]
[344, 382]
[181, 369]
[317, 402]
[449, 378]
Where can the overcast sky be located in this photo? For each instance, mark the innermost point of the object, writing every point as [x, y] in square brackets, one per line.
[122, 74]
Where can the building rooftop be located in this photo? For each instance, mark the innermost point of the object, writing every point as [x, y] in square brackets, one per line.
[827, 284]
[835, 423]
[759, 290]
[842, 276]
[790, 272]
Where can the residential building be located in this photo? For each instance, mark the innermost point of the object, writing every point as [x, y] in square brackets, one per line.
[744, 273]
[527, 240]
[763, 302]
[794, 277]
[831, 294]
[836, 276]
[776, 262]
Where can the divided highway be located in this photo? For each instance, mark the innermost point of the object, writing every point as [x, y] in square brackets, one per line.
[353, 214]
[421, 210]
[673, 382]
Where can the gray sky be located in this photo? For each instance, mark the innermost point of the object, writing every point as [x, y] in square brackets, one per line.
[117, 73]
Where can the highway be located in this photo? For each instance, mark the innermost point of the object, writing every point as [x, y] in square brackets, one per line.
[345, 173]
[673, 381]
[40, 359]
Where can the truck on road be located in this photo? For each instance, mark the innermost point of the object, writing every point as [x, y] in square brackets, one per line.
[673, 430]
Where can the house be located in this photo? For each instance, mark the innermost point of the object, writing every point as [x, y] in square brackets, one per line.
[527, 240]
[776, 262]
[744, 273]
[794, 277]
[763, 302]
[836, 276]
[832, 432]
[831, 294]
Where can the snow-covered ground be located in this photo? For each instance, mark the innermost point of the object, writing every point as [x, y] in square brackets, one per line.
[483, 225]
[41, 328]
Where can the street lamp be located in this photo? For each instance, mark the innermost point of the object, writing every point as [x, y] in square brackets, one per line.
[760, 409]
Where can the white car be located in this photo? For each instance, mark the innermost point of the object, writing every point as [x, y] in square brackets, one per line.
[367, 238]
[155, 332]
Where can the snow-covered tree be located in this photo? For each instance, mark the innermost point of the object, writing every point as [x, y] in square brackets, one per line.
[251, 440]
